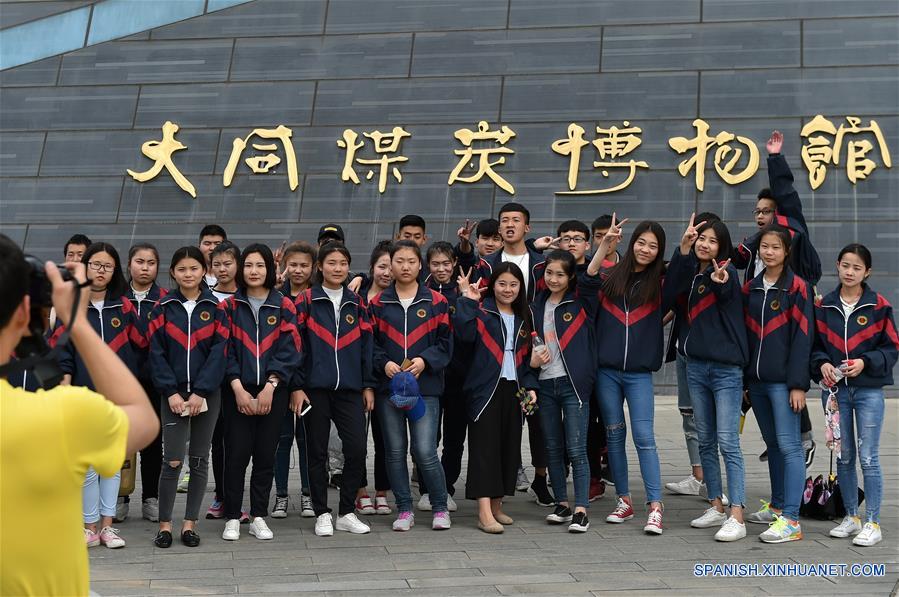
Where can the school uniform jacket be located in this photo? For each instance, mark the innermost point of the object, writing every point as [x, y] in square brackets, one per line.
[536, 265]
[778, 324]
[574, 318]
[461, 359]
[270, 346]
[337, 354]
[804, 258]
[713, 328]
[630, 337]
[143, 308]
[188, 353]
[117, 326]
[868, 334]
[481, 326]
[424, 330]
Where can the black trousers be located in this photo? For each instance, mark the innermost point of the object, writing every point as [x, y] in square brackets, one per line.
[596, 440]
[347, 410]
[455, 426]
[382, 481]
[218, 448]
[251, 437]
[494, 445]
[151, 456]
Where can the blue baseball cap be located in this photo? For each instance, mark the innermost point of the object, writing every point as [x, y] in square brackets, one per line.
[405, 395]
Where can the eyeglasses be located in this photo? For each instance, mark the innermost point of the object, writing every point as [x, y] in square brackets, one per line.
[763, 212]
[100, 267]
[572, 239]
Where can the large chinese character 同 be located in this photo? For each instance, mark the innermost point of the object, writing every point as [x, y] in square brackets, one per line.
[701, 143]
[614, 143]
[817, 152]
[485, 166]
[385, 143]
[264, 163]
[161, 152]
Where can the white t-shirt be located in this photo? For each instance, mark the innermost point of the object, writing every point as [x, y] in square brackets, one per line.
[140, 296]
[523, 262]
[210, 280]
[189, 307]
[768, 285]
[848, 308]
[221, 295]
[98, 305]
[406, 303]
[336, 297]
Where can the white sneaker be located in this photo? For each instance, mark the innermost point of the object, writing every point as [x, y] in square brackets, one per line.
[306, 510]
[731, 530]
[687, 486]
[523, 483]
[851, 525]
[351, 523]
[381, 505]
[710, 518]
[765, 515]
[260, 530]
[150, 509]
[232, 530]
[441, 521]
[704, 493]
[869, 536]
[324, 527]
[424, 504]
[451, 504]
[184, 482]
[404, 522]
[121, 510]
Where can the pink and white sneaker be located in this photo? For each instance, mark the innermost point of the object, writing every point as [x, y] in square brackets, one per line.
[110, 538]
[364, 505]
[654, 522]
[216, 510]
[91, 538]
[404, 522]
[381, 505]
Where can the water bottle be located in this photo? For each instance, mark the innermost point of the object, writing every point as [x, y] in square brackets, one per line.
[538, 342]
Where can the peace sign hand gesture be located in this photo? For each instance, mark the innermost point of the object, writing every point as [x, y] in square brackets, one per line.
[466, 288]
[720, 275]
[614, 232]
[464, 234]
[546, 242]
[690, 235]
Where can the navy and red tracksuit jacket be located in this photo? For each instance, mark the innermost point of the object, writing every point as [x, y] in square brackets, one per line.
[779, 330]
[117, 326]
[481, 326]
[869, 333]
[424, 330]
[629, 336]
[269, 346]
[574, 318]
[188, 353]
[536, 265]
[713, 328]
[804, 258]
[461, 359]
[337, 353]
[143, 308]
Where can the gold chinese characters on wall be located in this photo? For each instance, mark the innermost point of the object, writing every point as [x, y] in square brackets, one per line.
[735, 158]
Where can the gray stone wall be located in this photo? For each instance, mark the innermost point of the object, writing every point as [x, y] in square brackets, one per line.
[70, 125]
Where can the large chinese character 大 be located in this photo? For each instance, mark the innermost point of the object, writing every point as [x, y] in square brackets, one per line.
[261, 164]
[611, 144]
[485, 167]
[702, 143]
[161, 152]
[384, 145]
[817, 152]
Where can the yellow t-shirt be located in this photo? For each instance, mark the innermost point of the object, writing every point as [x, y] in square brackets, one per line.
[47, 442]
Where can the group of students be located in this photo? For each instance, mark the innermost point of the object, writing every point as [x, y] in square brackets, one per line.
[252, 350]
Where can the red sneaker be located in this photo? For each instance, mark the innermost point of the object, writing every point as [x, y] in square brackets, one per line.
[623, 511]
[654, 522]
[597, 489]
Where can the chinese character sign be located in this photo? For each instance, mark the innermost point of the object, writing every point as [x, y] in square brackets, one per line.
[817, 152]
[385, 143]
[161, 152]
[611, 144]
[485, 166]
[702, 143]
[264, 163]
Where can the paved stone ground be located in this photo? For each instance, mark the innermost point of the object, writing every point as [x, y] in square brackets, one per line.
[530, 558]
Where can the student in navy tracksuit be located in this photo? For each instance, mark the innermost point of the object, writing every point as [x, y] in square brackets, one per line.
[563, 316]
[857, 333]
[143, 292]
[498, 334]
[412, 333]
[713, 340]
[778, 308]
[263, 354]
[188, 331]
[114, 319]
[442, 263]
[336, 378]
[298, 263]
[634, 299]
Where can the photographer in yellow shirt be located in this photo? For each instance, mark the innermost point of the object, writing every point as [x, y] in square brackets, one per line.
[48, 439]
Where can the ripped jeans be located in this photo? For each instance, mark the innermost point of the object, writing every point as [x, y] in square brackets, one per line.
[861, 419]
[177, 431]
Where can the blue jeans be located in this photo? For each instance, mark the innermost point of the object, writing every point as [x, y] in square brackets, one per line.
[564, 421]
[289, 430]
[861, 416]
[614, 387]
[685, 406]
[99, 495]
[780, 430]
[424, 451]
[716, 390]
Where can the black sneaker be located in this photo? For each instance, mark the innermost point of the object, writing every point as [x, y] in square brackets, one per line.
[810, 454]
[579, 523]
[763, 457]
[336, 478]
[163, 539]
[560, 515]
[540, 492]
[190, 539]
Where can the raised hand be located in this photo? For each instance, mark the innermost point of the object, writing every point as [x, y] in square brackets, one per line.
[720, 275]
[690, 235]
[775, 142]
[546, 242]
[466, 288]
[614, 232]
